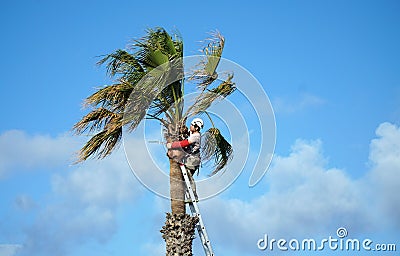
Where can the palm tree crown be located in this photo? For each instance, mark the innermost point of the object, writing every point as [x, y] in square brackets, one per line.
[139, 92]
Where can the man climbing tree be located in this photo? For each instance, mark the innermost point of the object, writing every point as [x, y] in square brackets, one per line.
[189, 148]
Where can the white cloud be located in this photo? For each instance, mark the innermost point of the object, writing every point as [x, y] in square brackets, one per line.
[303, 196]
[384, 177]
[105, 182]
[20, 151]
[84, 200]
[9, 249]
[307, 198]
[85, 205]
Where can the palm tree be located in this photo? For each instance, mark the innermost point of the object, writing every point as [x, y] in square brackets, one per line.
[113, 107]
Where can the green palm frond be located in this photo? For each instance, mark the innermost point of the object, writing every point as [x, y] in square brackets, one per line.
[157, 48]
[153, 58]
[213, 51]
[127, 101]
[170, 98]
[153, 96]
[206, 74]
[166, 100]
[136, 108]
[141, 91]
[215, 147]
[205, 99]
[122, 63]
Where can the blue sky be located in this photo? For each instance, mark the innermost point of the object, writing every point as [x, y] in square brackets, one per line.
[330, 69]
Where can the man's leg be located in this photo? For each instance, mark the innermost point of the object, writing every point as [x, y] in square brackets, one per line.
[191, 179]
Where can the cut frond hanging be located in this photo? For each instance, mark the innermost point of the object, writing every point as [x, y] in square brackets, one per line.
[216, 148]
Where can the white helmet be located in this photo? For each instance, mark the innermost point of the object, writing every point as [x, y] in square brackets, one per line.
[197, 122]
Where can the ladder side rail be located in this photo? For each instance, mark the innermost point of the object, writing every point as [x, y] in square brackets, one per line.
[202, 230]
[202, 233]
[195, 208]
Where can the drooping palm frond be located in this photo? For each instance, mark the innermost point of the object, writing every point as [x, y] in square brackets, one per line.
[216, 148]
[101, 144]
[205, 99]
[104, 142]
[113, 97]
[95, 121]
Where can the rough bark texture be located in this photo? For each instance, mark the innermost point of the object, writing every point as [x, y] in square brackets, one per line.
[177, 188]
[178, 234]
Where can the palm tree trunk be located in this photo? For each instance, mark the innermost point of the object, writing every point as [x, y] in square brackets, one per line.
[179, 228]
[177, 188]
[178, 233]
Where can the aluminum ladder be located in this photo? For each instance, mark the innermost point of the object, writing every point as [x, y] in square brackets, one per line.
[194, 208]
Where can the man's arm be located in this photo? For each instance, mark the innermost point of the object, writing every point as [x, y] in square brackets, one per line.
[178, 144]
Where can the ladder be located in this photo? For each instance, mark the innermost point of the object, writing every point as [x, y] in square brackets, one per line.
[194, 208]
